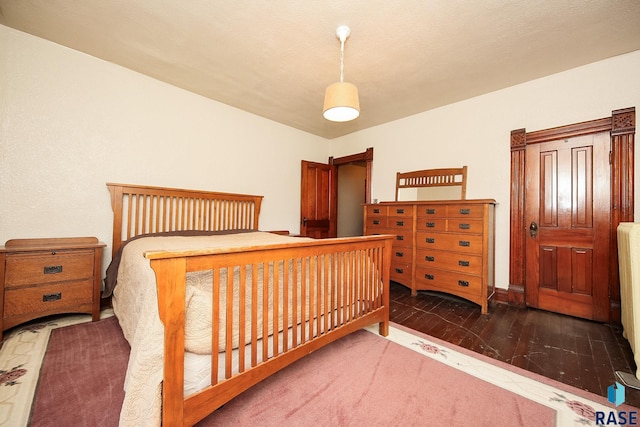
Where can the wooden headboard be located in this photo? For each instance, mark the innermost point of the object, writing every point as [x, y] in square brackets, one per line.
[434, 178]
[139, 209]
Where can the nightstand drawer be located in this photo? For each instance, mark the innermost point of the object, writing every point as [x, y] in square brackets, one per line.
[48, 267]
[45, 298]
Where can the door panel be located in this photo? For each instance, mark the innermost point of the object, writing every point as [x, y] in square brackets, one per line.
[567, 197]
[318, 207]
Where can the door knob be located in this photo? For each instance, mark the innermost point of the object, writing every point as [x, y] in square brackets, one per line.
[533, 229]
[304, 221]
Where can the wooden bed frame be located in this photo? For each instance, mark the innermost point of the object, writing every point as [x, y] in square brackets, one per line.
[348, 282]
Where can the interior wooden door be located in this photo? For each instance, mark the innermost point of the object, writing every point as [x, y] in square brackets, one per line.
[318, 200]
[567, 216]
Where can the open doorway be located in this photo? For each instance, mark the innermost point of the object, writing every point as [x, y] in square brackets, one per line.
[320, 202]
[352, 178]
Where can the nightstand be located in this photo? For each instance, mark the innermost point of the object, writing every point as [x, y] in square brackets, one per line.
[41, 277]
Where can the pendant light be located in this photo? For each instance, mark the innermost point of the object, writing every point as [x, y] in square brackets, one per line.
[341, 102]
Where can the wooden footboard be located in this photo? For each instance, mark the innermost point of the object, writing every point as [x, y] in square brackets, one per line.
[301, 296]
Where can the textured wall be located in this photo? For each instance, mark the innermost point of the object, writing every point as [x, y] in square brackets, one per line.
[69, 123]
[476, 133]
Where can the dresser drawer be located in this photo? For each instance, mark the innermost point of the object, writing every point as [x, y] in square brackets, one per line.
[375, 222]
[402, 255]
[401, 210]
[465, 211]
[431, 224]
[376, 231]
[454, 261]
[401, 223]
[400, 272]
[47, 298]
[470, 244]
[432, 211]
[403, 238]
[48, 267]
[463, 225]
[376, 210]
[448, 281]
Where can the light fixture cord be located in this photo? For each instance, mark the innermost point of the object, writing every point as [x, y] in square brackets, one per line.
[341, 60]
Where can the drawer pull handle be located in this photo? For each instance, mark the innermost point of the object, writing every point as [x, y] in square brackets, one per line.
[431, 224]
[464, 243]
[430, 258]
[53, 269]
[429, 276]
[52, 297]
[400, 223]
[465, 226]
[376, 222]
[463, 283]
[376, 210]
[431, 211]
[400, 211]
[463, 263]
[465, 211]
[399, 237]
[430, 240]
[400, 254]
[399, 270]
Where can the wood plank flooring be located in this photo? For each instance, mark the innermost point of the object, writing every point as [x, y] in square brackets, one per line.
[578, 352]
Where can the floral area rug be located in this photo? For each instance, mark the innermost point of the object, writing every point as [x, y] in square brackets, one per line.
[21, 357]
[24, 348]
[573, 407]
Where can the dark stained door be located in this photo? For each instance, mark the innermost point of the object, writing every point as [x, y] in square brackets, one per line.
[318, 200]
[567, 211]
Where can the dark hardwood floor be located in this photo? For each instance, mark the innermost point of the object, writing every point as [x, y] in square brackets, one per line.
[578, 352]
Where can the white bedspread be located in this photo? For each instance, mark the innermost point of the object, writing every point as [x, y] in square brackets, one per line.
[135, 305]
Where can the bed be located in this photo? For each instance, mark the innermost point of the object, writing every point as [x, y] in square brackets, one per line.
[197, 279]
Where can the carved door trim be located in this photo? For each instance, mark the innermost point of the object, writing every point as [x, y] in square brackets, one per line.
[621, 126]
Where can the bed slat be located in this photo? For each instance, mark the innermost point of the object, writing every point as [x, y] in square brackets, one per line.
[147, 209]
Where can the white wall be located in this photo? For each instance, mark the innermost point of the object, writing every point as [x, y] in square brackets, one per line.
[476, 133]
[69, 123]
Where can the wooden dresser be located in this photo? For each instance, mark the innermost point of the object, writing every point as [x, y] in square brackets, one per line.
[41, 277]
[440, 245]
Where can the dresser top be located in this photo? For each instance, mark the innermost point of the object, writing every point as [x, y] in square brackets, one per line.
[438, 202]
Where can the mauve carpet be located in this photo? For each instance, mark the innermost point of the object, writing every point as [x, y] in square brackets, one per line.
[359, 380]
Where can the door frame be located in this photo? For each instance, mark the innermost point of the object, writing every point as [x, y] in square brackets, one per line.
[621, 126]
[366, 157]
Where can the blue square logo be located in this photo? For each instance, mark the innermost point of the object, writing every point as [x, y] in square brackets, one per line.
[615, 394]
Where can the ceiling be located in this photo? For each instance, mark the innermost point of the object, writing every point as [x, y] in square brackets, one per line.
[274, 58]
